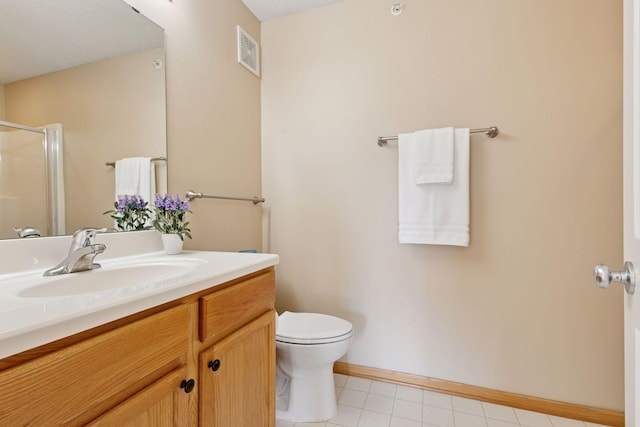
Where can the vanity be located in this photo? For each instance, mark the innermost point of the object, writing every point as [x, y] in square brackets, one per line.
[193, 344]
[147, 339]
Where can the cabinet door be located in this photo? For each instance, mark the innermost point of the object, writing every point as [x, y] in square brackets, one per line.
[237, 377]
[165, 403]
[76, 384]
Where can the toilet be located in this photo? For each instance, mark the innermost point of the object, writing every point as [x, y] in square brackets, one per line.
[307, 345]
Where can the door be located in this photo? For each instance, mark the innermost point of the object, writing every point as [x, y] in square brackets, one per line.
[237, 377]
[165, 403]
[631, 164]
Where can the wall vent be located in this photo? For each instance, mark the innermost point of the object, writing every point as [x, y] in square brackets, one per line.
[248, 52]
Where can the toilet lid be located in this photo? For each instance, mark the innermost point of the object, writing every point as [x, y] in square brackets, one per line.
[311, 328]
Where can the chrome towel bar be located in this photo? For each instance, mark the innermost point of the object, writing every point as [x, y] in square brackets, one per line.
[490, 132]
[191, 195]
[153, 159]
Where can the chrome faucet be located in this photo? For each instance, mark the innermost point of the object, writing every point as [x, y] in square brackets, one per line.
[27, 232]
[81, 253]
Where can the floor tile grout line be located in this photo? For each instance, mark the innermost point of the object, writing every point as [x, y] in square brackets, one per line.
[516, 421]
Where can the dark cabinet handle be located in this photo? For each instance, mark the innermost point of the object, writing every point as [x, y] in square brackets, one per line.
[214, 364]
[188, 385]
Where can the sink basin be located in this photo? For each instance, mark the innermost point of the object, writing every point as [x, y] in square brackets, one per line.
[115, 276]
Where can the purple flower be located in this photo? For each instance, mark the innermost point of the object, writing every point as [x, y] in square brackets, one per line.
[130, 213]
[122, 203]
[170, 203]
[170, 215]
[138, 203]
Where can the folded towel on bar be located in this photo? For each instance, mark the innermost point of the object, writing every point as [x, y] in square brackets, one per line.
[433, 156]
[136, 176]
[435, 214]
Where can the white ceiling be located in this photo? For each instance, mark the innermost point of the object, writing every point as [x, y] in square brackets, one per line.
[41, 36]
[265, 10]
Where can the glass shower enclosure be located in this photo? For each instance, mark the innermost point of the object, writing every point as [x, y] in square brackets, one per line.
[31, 179]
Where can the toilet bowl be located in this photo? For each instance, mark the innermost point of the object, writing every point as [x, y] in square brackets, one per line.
[307, 345]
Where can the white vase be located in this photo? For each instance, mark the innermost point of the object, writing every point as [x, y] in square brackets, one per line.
[172, 244]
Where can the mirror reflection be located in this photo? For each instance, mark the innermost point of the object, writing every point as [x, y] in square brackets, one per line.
[97, 69]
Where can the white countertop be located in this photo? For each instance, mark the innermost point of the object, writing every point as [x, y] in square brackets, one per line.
[27, 322]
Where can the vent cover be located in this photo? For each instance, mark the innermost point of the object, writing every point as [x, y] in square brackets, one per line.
[248, 52]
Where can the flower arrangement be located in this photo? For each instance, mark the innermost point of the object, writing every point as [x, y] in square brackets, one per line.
[130, 213]
[171, 215]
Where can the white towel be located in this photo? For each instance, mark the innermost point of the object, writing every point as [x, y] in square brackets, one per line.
[433, 156]
[436, 214]
[136, 176]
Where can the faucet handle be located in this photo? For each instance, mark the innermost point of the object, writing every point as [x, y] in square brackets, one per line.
[85, 236]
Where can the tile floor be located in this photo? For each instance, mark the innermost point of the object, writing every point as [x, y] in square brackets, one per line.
[367, 403]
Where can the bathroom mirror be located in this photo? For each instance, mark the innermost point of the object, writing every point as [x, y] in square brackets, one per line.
[97, 68]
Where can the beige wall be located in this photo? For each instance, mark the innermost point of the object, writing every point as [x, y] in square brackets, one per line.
[517, 310]
[213, 117]
[109, 110]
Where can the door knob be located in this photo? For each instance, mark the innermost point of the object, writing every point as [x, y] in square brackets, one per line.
[603, 276]
[188, 385]
[214, 365]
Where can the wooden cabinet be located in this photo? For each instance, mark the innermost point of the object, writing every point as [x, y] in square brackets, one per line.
[152, 368]
[165, 403]
[237, 377]
[238, 354]
[74, 385]
[227, 309]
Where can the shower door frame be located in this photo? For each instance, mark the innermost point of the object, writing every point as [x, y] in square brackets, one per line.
[54, 171]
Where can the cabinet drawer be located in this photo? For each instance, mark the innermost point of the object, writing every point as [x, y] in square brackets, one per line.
[76, 384]
[226, 310]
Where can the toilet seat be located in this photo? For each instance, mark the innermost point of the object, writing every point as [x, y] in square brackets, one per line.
[311, 328]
